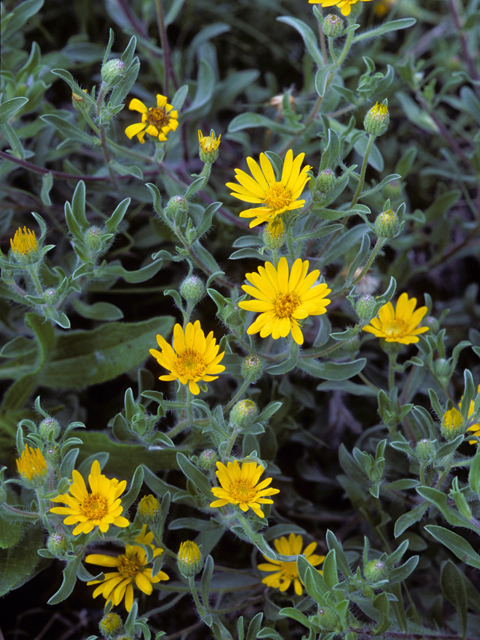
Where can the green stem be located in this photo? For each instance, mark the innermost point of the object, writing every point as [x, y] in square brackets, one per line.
[378, 246]
[102, 134]
[392, 361]
[33, 272]
[200, 608]
[371, 139]
[165, 48]
[230, 443]
[25, 515]
[237, 396]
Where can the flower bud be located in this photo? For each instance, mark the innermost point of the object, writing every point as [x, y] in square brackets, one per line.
[243, 414]
[425, 451]
[452, 424]
[442, 369]
[208, 147]
[189, 559]
[50, 296]
[375, 570]
[192, 289]
[325, 181]
[111, 625]
[377, 119]
[365, 307]
[332, 26]
[113, 71]
[252, 368]
[177, 209]
[393, 189]
[233, 316]
[208, 460]
[274, 234]
[386, 224]
[49, 429]
[79, 103]
[53, 455]
[148, 510]
[57, 544]
[93, 238]
[432, 323]
[325, 618]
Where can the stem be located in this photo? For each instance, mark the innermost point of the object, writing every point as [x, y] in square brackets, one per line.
[371, 139]
[26, 515]
[167, 64]
[103, 137]
[237, 396]
[379, 244]
[198, 604]
[392, 361]
[33, 273]
[230, 443]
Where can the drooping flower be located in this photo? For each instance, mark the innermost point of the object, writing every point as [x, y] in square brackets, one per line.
[101, 507]
[276, 197]
[345, 6]
[285, 572]
[283, 299]
[239, 486]
[475, 428]
[32, 466]
[194, 357]
[156, 121]
[24, 243]
[131, 567]
[400, 324]
[208, 146]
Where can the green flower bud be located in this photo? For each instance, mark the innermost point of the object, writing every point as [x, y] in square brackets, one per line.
[332, 26]
[375, 570]
[113, 71]
[234, 316]
[50, 296]
[325, 618]
[252, 368]
[274, 234]
[93, 238]
[53, 455]
[452, 424]
[243, 414]
[192, 289]
[208, 147]
[148, 510]
[208, 460]
[177, 210]
[386, 224]
[325, 181]
[57, 544]
[79, 103]
[111, 625]
[393, 189]
[425, 451]
[189, 559]
[49, 429]
[377, 119]
[432, 323]
[365, 306]
[442, 369]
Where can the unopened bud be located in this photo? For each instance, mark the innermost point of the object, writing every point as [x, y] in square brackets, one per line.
[50, 296]
[325, 181]
[425, 451]
[375, 570]
[252, 368]
[325, 618]
[243, 414]
[208, 460]
[57, 544]
[192, 289]
[189, 559]
[113, 71]
[93, 238]
[365, 307]
[177, 209]
[148, 510]
[111, 625]
[234, 316]
[274, 234]
[386, 224]
[332, 26]
[79, 103]
[452, 424]
[49, 429]
[377, 119]
[53, 455]
[442, 369]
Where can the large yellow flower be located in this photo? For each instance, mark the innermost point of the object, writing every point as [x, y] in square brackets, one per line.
[345, 6]
[400, 324]
[100, 507]
[284, 299]
[194, 357]
[285, 572]
[156, 121]
[32, 465]
[130, 566]
[239, 486]
[263, 189]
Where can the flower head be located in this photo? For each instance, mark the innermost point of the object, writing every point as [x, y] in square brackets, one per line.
[345, 6]
[149, 510]
[283, 299]
[31, 465]
[285, 572]
[377, 119]
[400, 324]
[189, 559]
[208, 146]
[474, 428]
[130, 566]
[101, 507]
[156, 121]
[194, 357]
[24, 244]
[452, 424]
[276, 197]
[239, 486]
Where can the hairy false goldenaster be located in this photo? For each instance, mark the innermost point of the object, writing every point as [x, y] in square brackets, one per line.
[156, 121]
[275, 196]
[401, 324]
[31, 465]
[345, 6]
[284, 298]
[282, 573]
[100, 507]
[24, 242]
[474, 428]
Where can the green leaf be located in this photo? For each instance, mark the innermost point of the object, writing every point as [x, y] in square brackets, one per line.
[133, 277]
[474, 475]
[205, 88]
[329, 568]
[97, 311]
[15, 19]
[309, 37]
[332, 370]
[67, 129]
[47, 184]
[207, 575]
[287, 365]
[18, 562]
[129, 498]
[457, 545]
[411, 517]
[295, 614]
[194, 475]
[439, 499]
[386, 27]
[453, 587]
[9, 107]
[10, 533]
[254, 120]
[68, 582]
[112, 223]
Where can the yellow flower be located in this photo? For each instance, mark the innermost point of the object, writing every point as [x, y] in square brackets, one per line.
[99, 508]
[345, 6]
[31, 465]
[189, 559]
[130, 567]
[194, 357]
[208, 146]
[285, 572]
[275, 196]
[148, 509]
[400, 324]
[283, 300]
[452, 424]
[475, 428]
[24, 243]
[239, 486]
[157, 121]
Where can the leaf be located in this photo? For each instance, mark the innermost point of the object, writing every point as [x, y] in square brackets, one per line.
[205, 88]
[287, 365]
[309, 37]
[68, 582]
[329, 569]
[9, 107]
[67, 129]
[295, 614]
[253, 120]
[194, 475]
[386, 27]
[18, 562]
[332, 370]
[409, 518]
[457, 545]
[453, 587]
[97, 311]
[15, 19]
[10, 533]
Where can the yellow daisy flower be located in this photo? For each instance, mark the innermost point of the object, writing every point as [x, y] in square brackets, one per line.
[31, 465]
[275, 196]
[239, 486]
[194, 357]
[285, 572]
[345, 6]
[400, 324]
[130, 566]
[100, 507]
[475, 428]
[24, 242]
[284, 299]
[208, 146]
[156, 121]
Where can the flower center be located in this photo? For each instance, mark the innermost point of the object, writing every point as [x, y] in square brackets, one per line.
[190, 363]
[285, 304]
[243, 491]
[395, 329]
[289, 570]
[129, 566]
[95, 507]
[278, 197]
[157, 117]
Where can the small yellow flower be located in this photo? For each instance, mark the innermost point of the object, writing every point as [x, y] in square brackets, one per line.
[148, 509]
[31, 465]
[345, 6]
[239, 486]
[208, 146]
[283, 299]
[277, 197]
[130, 566]
[194, 357]
[189, 559]
[285, 572]
[475, 428]
[377, 119]
[24, 243]
[452, 424]
[156, 121]
[99, 508]
[400, 324]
